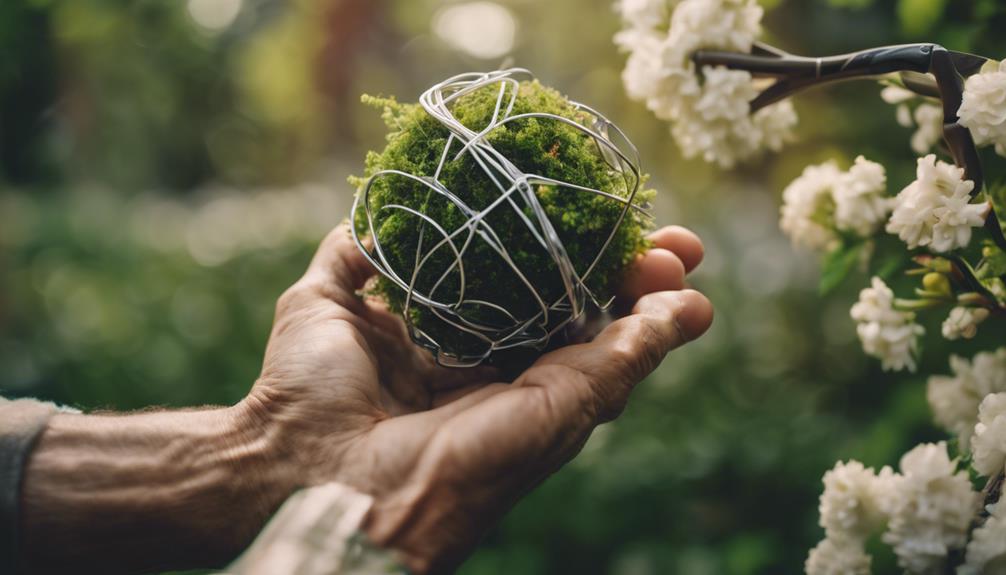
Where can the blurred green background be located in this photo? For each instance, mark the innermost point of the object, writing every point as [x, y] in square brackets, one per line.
[166, 169]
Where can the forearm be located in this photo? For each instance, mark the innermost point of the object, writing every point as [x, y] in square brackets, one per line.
[149, 491]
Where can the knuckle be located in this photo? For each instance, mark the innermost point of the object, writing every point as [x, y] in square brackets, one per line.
[587, 394]
[624, 355]
[610, 399]
[639, 347]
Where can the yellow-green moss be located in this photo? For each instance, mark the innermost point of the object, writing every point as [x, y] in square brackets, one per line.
[536, 146]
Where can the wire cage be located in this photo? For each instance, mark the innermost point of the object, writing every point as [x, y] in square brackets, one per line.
[517, 192]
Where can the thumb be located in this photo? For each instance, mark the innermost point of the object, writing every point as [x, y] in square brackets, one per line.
[630, 348]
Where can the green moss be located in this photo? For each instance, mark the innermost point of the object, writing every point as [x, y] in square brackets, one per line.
[536, 146]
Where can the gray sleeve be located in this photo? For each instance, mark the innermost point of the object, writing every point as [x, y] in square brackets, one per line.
[21, 422]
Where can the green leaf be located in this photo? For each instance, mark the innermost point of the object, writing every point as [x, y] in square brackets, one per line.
[993, 263]
[918, 17]
[837, 265]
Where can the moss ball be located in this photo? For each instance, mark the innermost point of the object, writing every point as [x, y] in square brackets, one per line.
[541, 146]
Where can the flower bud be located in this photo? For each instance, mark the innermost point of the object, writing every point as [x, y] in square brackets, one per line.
[936, 283]
[971, 298]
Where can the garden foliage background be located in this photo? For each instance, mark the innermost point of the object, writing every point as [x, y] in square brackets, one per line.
[167, 168]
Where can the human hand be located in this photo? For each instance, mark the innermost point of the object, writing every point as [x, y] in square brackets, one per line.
[446, 452]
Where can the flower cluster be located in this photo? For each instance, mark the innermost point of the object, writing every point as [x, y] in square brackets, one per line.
[808, 207]
[643, 14]
[861, 205]
[886, 333]
[828, 209]
[954, 399]
[983, 108]
[929, 508]
[926, 509]
[711, 115]
[850, 512]
[824, 202]
[848, 505]
[963, 322]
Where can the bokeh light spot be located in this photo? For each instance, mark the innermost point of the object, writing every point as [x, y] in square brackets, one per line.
[484, 30]
[214, 15]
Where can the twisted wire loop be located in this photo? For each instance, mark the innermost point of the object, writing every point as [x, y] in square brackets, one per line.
[516, 191]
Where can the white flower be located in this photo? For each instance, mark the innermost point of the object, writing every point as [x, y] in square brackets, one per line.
[848, 508]
[860, 204]
[807, 207]
[884, 491]
[983, 108]
[643, 13]
[935, 209]
[715, 24]
[709, 127]
[931, 507]
[886, 333]
[643, 70]
[963, 322]
[988, 445]
[954, 400]
[775, 124]
[824, 199]
[986, 554]
[838, 557]
[711, 116]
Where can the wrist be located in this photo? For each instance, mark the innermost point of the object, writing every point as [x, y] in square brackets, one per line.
[260, 468]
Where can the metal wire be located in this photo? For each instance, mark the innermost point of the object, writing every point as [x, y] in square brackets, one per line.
[516, 192]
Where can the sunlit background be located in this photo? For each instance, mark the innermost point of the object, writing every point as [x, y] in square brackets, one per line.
[166, 169]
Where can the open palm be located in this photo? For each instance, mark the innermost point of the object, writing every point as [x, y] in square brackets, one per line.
[445, 452]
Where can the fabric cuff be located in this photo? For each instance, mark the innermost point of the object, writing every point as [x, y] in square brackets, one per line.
[21, 423]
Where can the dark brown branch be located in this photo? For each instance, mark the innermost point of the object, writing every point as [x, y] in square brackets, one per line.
[797, 73]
